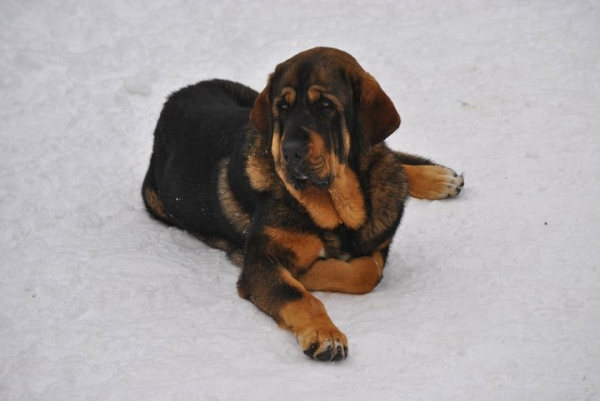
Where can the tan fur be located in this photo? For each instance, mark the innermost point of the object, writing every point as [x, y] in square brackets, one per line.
[308, 320]
[305, 247]
[318, 204]
[347, 198]
[432, 182]
[356, 276]
[315, 92]
[154, 202]
[239, 219]
[258, 165]
[289, 94]
[320, 159]
[341, 203]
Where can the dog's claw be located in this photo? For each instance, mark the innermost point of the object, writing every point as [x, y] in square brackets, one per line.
[327, 351]
[310, 351]
[433, 182]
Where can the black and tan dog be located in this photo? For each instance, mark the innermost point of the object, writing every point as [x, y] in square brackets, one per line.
[294, 183]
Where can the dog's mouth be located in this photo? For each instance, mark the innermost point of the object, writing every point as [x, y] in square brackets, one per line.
[305, 164]
[302, 178]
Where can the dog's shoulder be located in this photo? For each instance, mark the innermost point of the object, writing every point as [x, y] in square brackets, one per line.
[382, 168]
[386, 190]
[259, 168]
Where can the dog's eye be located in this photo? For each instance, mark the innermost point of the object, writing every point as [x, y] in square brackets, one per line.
[325, 103]
[283, 106]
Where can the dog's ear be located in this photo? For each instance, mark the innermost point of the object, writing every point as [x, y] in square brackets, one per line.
[377, 117]
[260, 115]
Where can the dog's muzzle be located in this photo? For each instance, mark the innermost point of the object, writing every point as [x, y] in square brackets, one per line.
[301, 168]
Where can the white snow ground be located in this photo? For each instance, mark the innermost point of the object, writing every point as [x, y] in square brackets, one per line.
[492, 296]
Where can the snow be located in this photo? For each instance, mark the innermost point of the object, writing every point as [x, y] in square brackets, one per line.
[492, 296]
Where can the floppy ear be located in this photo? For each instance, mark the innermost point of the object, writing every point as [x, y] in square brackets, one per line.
[260, 115]
[377, 116]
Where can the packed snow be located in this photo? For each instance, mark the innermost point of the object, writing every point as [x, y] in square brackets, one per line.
[494, 295]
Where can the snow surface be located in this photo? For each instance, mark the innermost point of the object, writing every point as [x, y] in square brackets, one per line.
[492, 296]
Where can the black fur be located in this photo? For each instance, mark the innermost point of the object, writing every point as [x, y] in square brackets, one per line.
[199, 126]
[294, 183]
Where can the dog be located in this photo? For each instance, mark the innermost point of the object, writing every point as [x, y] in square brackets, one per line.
[294, 183]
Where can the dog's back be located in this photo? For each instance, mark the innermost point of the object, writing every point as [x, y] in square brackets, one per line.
[200, 126]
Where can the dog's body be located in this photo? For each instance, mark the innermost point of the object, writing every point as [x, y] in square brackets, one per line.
[294, 183]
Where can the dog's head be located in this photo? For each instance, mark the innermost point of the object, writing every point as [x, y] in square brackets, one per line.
[321, 108]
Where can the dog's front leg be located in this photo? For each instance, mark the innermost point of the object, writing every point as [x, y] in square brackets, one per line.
[356, 276]
[266, 282]
[433, 181]
[428, 180]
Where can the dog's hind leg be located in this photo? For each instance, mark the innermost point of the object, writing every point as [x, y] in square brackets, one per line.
[151, 197]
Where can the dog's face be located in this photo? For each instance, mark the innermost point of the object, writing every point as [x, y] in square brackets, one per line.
[321, 108]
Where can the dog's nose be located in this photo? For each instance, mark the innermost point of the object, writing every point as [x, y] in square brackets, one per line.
[294, 150]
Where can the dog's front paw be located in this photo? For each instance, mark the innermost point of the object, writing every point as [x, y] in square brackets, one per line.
[453, 183]
[433, 182]
[323, 343]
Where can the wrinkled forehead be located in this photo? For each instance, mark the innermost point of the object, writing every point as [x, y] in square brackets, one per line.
[330, 72]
